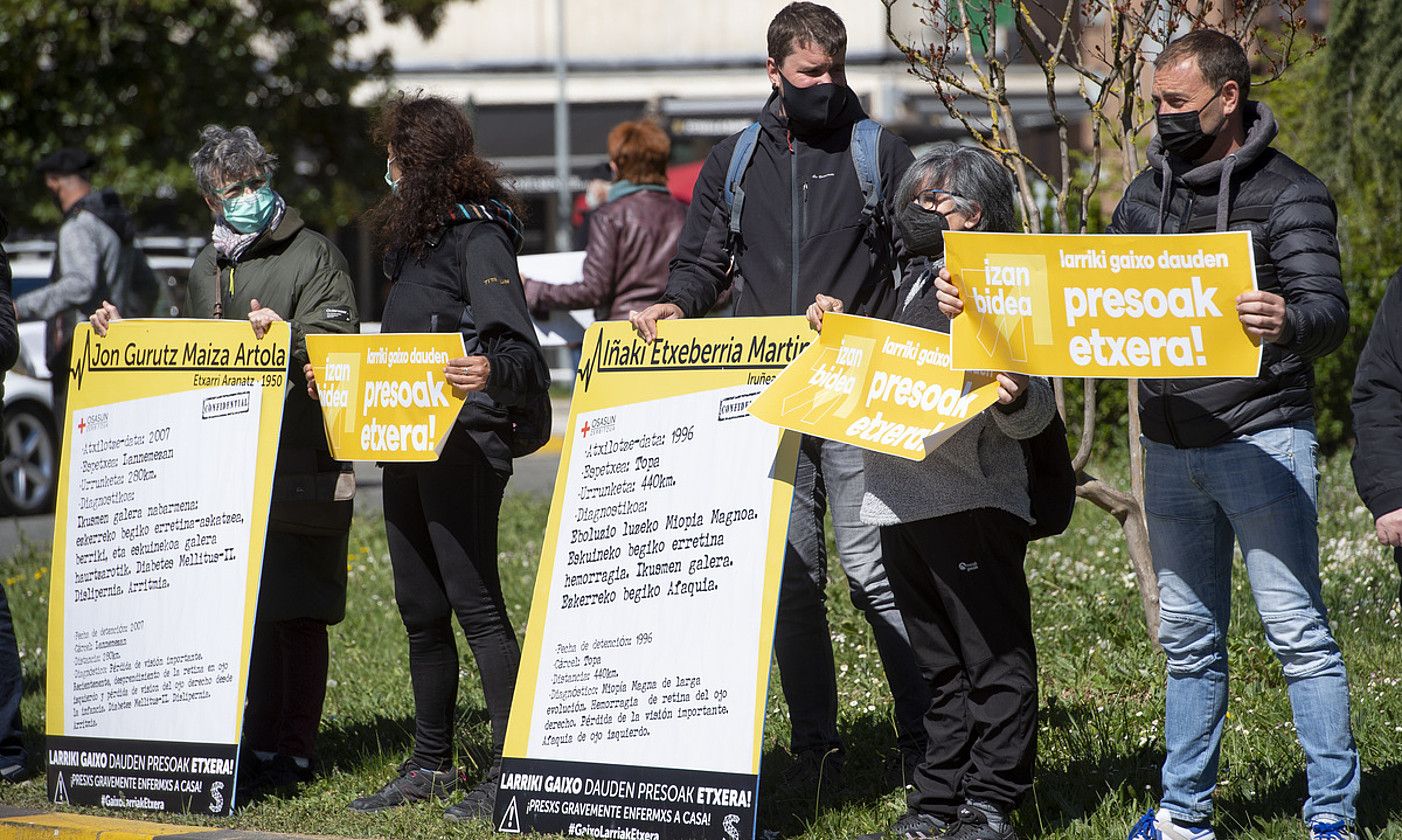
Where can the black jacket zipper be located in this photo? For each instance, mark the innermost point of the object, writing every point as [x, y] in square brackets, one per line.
[1183, 222]
[796, 232]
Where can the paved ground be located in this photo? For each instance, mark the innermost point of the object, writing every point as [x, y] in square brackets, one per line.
[534, 474]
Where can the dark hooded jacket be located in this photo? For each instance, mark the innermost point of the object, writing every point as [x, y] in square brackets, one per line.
[1377, 408]
[1292, 221]
[302, 276]
[801, 230]
[465, 280]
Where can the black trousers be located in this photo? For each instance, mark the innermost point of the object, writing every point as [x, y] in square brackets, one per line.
[960, 586]
[441, 523]
[286, 686]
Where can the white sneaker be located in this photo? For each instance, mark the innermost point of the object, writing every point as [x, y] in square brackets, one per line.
[1330, 827]
[1160, 826]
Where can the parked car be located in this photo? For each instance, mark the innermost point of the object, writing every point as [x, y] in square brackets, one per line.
[29, 470]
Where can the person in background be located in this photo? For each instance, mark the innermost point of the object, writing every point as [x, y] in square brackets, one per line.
[450, 237]
[1377, 421]
[265, 265]
[14, 761]
[96, 259]
[632, 236]
[954, 533]
[807, 228]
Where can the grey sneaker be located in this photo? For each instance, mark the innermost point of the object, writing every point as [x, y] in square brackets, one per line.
[912, 826]
[413, 784]
[979, 820]
[479, 802]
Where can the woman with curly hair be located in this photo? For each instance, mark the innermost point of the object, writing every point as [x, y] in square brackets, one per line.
[450, 237]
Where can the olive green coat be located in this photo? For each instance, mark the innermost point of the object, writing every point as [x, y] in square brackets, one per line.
[300, 275]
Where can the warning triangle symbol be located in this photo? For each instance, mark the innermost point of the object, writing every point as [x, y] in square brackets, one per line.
[511, 820]
[60, 791]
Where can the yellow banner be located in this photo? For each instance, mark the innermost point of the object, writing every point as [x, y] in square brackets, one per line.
[1103, 306]
[170, 437]
[670, 513]
[878, 385]
[383, 397]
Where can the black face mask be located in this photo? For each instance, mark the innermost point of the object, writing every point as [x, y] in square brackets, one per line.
[814, 108]
[922, 230]
[1182, 133]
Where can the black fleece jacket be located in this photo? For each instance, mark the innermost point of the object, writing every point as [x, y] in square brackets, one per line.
[1292, 222]
[801, 230]
[1377, 408]
[466, 280]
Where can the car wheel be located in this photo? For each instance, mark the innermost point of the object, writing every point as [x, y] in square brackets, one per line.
[29, 472]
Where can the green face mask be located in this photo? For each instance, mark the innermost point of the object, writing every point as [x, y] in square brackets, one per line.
[250, 213]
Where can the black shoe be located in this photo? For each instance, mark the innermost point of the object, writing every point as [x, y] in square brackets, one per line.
[15, 773]
[913, 826]
[413, 784]
[979, 820]
[479, 802]
[900, 767]
[812, 771]
[283, 775]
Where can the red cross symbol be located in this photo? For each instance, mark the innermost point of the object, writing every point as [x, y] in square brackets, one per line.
[584, 432]
[82, 424]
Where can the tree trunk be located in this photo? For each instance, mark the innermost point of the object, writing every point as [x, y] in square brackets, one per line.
[1129, 512]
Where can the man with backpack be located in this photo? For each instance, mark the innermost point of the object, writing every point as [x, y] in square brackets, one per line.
[96, 259]
[799, 204]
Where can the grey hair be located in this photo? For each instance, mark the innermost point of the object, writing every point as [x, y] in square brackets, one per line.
[229, 153]
[974, 176]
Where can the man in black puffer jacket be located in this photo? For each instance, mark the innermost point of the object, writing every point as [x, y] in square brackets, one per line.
[1228, 457]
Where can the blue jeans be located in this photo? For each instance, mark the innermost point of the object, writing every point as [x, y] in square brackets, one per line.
[12, 753]
[1260, 488]
[830, 474]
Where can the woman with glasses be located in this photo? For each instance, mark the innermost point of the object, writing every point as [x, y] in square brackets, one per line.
[264, 265]
[954, 533]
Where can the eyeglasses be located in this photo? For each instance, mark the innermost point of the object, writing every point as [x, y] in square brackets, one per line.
[255, 184]
[932, 199]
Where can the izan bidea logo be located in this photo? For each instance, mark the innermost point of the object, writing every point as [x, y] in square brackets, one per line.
[1012, 289]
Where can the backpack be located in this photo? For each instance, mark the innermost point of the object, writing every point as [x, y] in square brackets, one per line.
[531, 420]
[864, 148]
[530, 425]
[1051, 482]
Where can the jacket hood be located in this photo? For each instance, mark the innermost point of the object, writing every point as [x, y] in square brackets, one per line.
[490, 211]
[773, 120]
[106, 206]
[1261, 129]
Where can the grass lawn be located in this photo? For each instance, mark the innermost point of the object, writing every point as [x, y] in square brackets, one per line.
[1101, 737]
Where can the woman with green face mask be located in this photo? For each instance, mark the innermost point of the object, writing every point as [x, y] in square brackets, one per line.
[265, 265]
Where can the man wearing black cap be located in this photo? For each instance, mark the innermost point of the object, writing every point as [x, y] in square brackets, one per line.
[96, 259]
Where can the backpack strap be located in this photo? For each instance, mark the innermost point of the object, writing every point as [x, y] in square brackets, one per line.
[731, 191]
[865, 148]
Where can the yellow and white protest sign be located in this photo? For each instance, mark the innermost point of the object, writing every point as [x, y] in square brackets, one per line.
[1108, 306]
[169, 443]
[645, 667]
[878, 385]
[383, 397]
